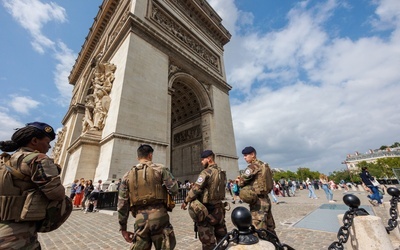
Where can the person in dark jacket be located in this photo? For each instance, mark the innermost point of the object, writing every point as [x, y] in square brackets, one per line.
[374, 198]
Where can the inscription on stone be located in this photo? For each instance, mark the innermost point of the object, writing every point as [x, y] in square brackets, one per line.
[187, 135]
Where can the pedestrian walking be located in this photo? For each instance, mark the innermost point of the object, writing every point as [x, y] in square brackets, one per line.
[311, 191]
[326, 187]
[368, 183]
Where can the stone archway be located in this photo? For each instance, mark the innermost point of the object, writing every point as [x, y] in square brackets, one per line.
[189, 100]
[169, 90]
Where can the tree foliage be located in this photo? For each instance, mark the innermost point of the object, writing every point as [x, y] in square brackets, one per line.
[300, 175]
[382, 168]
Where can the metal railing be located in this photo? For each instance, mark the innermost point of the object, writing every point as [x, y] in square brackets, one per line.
[109, 200]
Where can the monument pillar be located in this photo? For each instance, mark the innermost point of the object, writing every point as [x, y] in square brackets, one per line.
[148, 72]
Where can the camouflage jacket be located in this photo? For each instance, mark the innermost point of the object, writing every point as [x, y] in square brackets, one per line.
[163, 176]
[201, 184]
[252, 172]
[41, 171]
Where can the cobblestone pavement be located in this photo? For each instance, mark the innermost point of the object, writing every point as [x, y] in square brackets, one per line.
[100, 230]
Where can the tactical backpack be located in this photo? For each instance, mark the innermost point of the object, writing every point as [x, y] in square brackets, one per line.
[12, 200]
[264, 183]
[31, 204]
[143, 189]
[216, 190]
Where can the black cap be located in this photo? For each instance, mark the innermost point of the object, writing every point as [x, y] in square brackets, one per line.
[248, 150]
[206, 153]
[45, 128]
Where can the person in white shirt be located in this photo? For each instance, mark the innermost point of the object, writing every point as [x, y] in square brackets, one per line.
[112, 187]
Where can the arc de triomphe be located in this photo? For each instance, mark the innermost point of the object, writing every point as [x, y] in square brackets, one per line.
[150, 71]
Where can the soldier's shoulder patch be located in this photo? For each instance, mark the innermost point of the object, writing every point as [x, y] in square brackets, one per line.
[200, 179]
[247, 172]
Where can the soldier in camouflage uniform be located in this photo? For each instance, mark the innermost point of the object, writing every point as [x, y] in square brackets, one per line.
[209, 189]
[31, 169]
[138, 195]
[258, 176]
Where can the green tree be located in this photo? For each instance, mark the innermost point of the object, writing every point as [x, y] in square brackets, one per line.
[385, 166]
[373, 168]
[304, 173]
[291, 175]
[395, 145]
[337, 176]
[278, 175]
[383, 147]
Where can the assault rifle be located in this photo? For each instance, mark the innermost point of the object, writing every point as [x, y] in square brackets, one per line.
[195, 230]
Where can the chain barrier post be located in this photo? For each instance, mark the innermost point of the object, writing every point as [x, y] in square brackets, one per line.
[344, 231]
[392, 222]
[245, 232]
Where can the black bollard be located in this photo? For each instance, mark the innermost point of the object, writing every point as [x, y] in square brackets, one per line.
[241, 218]
[343, 235]
[392, 222]
[246, 232]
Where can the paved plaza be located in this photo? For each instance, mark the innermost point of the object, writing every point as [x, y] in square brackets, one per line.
[100, 230]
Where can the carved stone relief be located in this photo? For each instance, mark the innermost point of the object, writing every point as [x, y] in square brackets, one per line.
[177, 30]
[97, 102]
[188, 135]
[118, 27]
[58, 146]
[200, 23]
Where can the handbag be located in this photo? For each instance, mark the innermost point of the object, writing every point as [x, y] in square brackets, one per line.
[375, 183]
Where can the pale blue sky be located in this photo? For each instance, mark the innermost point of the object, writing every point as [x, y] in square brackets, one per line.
[312, 81]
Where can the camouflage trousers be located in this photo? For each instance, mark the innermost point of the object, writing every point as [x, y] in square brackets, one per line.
[213, 229]
[261, 214]
[152, 226]
[21, 235]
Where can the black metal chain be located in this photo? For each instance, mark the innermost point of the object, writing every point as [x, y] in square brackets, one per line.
[263, 234]
[271, 237]
[343, 234]
[232, 236]
[392, 222]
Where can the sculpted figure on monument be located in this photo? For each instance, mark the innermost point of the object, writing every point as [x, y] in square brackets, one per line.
[98, 102]
[88, 118]
[58, 145]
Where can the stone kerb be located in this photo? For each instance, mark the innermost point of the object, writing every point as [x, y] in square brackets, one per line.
[261, 245]
[367, 232]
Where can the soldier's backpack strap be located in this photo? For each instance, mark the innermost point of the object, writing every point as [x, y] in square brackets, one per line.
[14, 172]
[9, 165]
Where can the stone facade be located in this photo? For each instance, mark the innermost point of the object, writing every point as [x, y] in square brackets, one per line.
[149, 72]
[352, 160]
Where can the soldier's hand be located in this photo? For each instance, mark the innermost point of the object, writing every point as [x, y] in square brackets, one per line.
[128, 236]
[183, 206]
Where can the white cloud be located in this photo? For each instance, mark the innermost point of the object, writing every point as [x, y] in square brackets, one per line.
[8, 124]
[23, 104]
[33, 15]
[312, 97]
[228, 11]
[66, 59]
[34, 22]
[388, 14]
